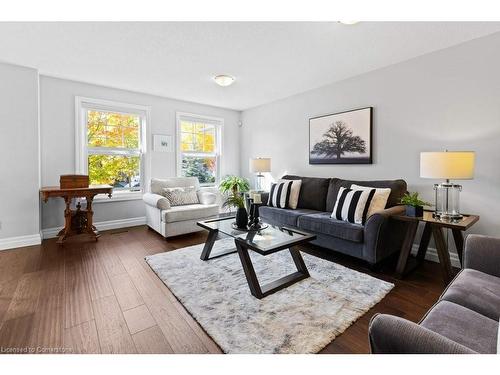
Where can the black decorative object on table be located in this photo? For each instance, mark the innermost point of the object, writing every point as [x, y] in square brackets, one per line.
[254, 221]
[241, 218]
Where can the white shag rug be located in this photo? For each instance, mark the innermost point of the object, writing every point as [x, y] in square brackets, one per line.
[302, 318]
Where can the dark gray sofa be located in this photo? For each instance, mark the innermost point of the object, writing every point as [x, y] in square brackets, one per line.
[372, 242]
[465, 318]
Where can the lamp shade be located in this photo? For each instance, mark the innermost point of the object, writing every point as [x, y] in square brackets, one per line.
[260, 165]
[456, 165]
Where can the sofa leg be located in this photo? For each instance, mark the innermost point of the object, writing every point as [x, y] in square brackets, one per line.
[375, 267]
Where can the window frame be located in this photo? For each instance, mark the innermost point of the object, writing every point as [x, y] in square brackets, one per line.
[218, 122]
[82, 151]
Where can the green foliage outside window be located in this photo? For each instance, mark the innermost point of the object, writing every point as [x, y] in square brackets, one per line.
[114, 131]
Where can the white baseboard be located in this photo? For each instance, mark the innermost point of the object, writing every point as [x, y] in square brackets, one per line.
[103, 225]
[433, 256]
[20, 241]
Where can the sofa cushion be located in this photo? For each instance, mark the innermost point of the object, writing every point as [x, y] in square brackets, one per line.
[398, 188]
[282, 216]
[324, 224]
[313, 192]
[477, 291]
[189, 212]
[467, 327]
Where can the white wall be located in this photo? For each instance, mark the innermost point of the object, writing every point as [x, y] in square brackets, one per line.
[57, 110]
[449, 99]
[19, 153]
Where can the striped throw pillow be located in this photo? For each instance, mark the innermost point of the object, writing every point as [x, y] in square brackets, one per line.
[279, 195]
[352, 205]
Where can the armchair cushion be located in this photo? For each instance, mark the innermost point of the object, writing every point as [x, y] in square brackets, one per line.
[463, 326]
[477, 291]
[156, 200]
[482, 253]
[392, 335]
[189, 212]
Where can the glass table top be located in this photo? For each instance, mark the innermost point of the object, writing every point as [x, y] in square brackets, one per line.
[265, 239]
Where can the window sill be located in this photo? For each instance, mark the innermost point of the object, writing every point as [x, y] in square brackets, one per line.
[119, 196]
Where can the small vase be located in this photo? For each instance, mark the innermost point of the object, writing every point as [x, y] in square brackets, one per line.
[241, 218]
[415, 211]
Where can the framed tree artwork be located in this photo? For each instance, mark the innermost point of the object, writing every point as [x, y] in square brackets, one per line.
[341, 138]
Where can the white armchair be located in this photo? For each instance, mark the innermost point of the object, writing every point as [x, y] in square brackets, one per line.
[173, 221]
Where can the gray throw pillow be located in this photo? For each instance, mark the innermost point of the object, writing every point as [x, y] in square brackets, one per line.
[181, 196]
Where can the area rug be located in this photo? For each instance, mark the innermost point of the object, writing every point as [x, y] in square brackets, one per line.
[302, 318]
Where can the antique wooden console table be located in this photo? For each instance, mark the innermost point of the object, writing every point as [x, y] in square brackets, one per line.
[77, 221]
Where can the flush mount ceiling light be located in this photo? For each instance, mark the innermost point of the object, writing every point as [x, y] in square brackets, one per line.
[347, 22]
[224, 80]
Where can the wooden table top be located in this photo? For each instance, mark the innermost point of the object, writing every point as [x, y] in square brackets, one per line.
[462, 224]
[56, 191]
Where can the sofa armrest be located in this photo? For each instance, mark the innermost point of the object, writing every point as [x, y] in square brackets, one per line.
[392, 335]
[156, 200]
[374, 228]
[482, 253]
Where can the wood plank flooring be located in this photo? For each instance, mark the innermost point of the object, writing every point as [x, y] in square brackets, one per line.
[89, 297]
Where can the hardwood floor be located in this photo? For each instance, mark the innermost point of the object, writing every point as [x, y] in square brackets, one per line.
[102, 297]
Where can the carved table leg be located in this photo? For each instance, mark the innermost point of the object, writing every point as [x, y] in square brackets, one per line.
[63, 234]
[91, 229]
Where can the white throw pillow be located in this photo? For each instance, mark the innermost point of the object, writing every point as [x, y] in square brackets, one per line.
[293, 200]
[379, 199]
[352, 205]
[179, 196]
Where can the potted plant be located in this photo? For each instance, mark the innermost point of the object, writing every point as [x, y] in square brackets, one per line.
[233, 185]
[414, 205]
[238, 201]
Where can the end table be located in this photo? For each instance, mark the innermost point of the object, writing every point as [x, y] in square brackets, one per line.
[433, 226]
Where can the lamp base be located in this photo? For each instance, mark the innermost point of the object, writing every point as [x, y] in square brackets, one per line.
[447, 201]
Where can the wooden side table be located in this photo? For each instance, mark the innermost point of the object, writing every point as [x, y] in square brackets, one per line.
[433, 226]
[76, 221]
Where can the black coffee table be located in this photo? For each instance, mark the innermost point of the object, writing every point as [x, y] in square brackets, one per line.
[264, 242]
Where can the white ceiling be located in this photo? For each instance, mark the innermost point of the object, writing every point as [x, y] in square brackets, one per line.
[269, 60]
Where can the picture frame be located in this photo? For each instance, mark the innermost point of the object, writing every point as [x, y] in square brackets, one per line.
[163, 143]
[342, 137]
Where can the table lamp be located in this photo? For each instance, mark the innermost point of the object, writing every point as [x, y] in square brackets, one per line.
[259, 166]
[448, 165]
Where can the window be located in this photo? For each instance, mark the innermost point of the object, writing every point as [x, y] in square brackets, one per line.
[198, 147]
[110, 143]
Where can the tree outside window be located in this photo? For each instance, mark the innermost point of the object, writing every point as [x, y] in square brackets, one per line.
[199, 149]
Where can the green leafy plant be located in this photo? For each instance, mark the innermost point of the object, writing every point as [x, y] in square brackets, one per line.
[237, 201]
[412, 199]
[234, 185]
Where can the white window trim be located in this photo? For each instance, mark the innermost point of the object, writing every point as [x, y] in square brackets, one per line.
[81, 151]
[219, 128]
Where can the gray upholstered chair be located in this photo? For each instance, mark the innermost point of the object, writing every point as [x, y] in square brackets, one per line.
[465, 318]
[173, 221]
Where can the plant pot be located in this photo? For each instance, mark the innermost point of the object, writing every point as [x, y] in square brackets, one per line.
[241, 218]
[415, 211]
